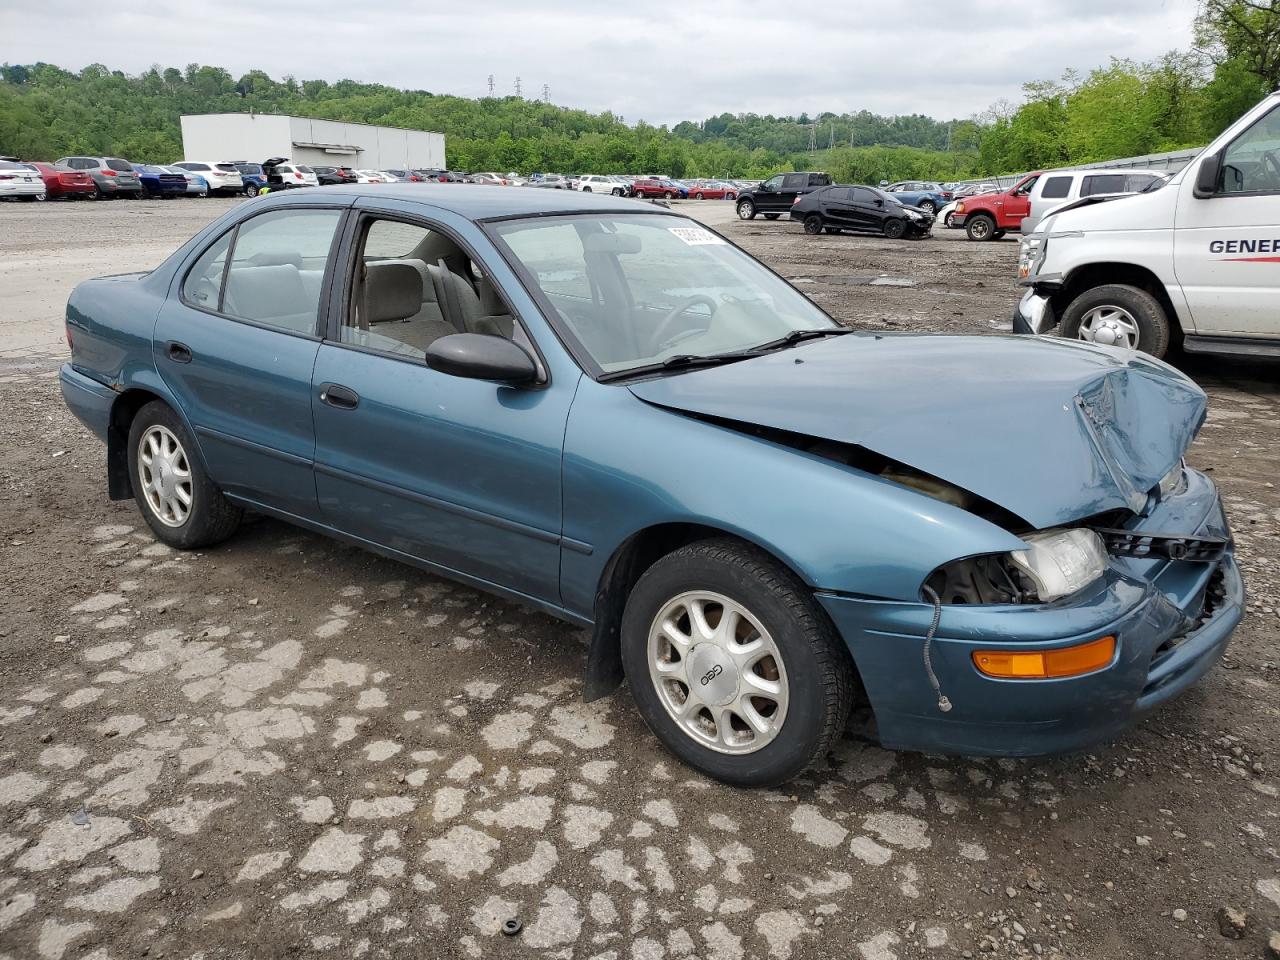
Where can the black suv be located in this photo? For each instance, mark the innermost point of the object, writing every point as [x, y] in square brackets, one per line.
[775, 196]
[861, 210]
[332, 176]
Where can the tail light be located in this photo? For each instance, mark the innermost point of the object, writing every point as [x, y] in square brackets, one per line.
[296, 175]
[795, 201]
[8, 176]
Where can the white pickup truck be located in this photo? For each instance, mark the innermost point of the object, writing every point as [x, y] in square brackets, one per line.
[1195, 262]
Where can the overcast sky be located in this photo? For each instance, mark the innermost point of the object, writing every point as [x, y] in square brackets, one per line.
[660, 61]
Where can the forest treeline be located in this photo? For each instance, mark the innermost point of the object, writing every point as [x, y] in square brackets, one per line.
[1182, 99]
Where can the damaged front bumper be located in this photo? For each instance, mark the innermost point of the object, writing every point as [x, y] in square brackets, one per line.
[1172, 619]
[1034, 313]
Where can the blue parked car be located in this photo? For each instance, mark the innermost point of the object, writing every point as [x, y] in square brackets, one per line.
[254, 177]
[918, 193]
[610, 413]
[159, 181]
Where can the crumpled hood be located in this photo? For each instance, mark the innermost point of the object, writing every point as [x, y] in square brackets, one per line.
[1051, 430]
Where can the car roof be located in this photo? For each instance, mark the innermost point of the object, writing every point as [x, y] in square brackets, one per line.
[480, 202]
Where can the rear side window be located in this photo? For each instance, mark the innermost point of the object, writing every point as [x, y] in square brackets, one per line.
[837, 194]
[1055, 188]
[1103, 183]
[122, 166]
[818, 179]
[195, 166]
[794, 181]
[10, 165]
[275, 273]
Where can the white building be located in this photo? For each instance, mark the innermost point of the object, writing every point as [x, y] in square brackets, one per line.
[255, 137]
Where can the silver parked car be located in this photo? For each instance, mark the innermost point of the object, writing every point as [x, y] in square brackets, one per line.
[1057, 187]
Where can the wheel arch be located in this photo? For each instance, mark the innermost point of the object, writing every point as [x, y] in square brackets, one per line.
[123, 411]
[641, 550]
[1090, 275]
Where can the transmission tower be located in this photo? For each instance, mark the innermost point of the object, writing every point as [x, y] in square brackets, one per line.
[491, 84]
[546, 93]
[517, 86]
[813, 137]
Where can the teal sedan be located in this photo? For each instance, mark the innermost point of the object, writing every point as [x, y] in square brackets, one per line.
[610, 413]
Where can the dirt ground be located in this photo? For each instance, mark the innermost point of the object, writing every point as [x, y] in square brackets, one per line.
[287, 747]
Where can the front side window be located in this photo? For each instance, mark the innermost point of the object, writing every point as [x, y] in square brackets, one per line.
[1055, 188]
[203, 286]
[1024, 188]
[636, 290]
[772, 185]
[277, 268]
[1251, 164]
[865, 196]
[413, 285]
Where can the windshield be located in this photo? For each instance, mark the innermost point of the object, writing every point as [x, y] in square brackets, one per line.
[637, 290]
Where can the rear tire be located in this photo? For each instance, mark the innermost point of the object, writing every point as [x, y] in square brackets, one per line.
[894, 229]
[252, 190]
[1117, 314]
[980, 228]
[813, 224]
[998, 235]
[746, 210]
[772, 216]
[802, 670]
[668, 195]
[174, 474]
[586, 189]
[697, 196]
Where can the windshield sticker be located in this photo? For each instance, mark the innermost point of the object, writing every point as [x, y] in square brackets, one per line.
[696, 236]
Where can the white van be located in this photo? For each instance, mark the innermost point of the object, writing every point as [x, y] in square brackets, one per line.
[1058, 187]
[1196, 262]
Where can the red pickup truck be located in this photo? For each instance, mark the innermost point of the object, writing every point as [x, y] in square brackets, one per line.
[989, 215]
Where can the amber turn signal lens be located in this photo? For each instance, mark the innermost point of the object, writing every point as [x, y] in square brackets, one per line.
[1046, 664]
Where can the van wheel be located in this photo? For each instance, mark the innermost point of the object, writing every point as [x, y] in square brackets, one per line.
[1117, 314]
[181, 505]
[894, 229]
[979, 227]
[746, 210]
[733, 665]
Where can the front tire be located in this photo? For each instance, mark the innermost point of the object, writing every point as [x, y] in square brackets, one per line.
[894, 229]
[179, 501]
[813, 224]
[980, 228]
[668, 195]
[732, 664]
[1117, 314]
[617, 192]
[697, 196]
[928, 206]
[746, 210]
[586, 189]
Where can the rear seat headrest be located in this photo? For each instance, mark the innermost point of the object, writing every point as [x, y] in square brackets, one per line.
[392, 291]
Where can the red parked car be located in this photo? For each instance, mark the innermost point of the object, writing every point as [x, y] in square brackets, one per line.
[712, 190]
[990, 215]
[62, 181]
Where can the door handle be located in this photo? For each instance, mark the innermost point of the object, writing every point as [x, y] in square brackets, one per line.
[336, 395]
[178, 352]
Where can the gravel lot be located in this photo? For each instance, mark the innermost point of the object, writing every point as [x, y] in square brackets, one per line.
[286, 747]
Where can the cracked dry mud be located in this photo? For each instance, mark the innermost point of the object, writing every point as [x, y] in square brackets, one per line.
[286, 747]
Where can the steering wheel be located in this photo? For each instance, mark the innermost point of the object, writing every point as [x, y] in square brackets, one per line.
[659, 338]
[1272, 166]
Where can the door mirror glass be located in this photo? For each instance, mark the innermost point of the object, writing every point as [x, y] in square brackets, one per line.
[479, 356]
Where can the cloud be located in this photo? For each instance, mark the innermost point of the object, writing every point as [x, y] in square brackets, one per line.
[660, 61]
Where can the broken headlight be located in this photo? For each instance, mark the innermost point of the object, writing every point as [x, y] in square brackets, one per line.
[1060, 562]
[1032, 250]
[1173, 482]
[1055, 564]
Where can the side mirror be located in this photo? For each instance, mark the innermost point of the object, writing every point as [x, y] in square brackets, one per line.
[1209, 175]
[478, 356]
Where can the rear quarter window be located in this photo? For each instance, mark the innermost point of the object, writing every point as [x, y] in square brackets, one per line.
[122, 166]
[1055, 188]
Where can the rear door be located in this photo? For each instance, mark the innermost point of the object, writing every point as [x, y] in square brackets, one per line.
[1227, 246]
[236, 343]
[1050, 191]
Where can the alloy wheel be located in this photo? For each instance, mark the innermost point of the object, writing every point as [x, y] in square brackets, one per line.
[1111, 326]
[165, 475]
[718, 672]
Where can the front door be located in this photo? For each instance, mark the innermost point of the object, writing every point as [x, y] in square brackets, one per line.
[237, 348]
[1227, 246]
[463, 474]
[768, 197]
[866, 210]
